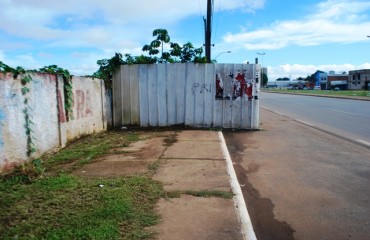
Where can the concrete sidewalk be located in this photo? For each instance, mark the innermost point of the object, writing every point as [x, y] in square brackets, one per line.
[190, 164]
[195, 162]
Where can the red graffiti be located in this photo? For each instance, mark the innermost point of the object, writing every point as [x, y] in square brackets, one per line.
[81, 105]
[241, 86]
[80, 101]
[219, 87]
[88, 104]
[61, 115]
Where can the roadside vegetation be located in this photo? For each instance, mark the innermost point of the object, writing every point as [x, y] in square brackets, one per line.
[42, 199]
[160, 50]
[345, 93]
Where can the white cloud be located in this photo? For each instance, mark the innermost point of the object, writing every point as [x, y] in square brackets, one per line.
[107, 27]
[245, 5]
[335, 21]
[45, 19]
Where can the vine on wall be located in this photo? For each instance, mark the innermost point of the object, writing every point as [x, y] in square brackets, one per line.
[68, 91]
[26, 79]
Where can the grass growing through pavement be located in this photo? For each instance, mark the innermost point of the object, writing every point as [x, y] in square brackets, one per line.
[204, 193]
[85, 150]
[58, 205]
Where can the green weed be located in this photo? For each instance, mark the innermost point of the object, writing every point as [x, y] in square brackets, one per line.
[88, 149]
[39, 201]
[203, 193]
[68, 207]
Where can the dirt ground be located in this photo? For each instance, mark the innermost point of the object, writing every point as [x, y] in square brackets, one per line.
[133, 159]
[183, 161]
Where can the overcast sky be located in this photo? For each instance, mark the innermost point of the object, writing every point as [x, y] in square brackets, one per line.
[297, 37]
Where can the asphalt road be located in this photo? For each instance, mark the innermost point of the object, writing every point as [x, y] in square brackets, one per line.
[299, 182]
[344, 117]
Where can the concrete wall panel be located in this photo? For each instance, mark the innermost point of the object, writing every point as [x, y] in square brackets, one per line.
[152, 93]
[87, 109]
[13, 141]
[162, 94]
[144, 96]
[171, 95]
[44, 112]
[180, 93]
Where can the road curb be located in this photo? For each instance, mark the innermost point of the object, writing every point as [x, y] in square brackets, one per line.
[241, 207]
[322, 95]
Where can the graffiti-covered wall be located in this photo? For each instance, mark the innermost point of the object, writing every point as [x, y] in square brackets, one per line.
[88, 109]
[199, 95]
[33, 119]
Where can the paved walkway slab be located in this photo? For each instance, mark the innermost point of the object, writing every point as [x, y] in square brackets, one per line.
[191, 217]
[193, 175]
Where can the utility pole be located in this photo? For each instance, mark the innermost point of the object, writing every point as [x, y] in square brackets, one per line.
[208, 31]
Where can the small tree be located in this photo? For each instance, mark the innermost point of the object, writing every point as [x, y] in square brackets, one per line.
[186, 53]
[265, 79]
[162, 38]
[107, 67]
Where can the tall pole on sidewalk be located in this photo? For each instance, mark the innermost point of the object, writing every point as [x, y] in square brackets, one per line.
[208, 31]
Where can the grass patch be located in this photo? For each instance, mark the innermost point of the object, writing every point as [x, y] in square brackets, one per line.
[68, 207]
[39, 201]
[347, 93]
[86, 150]
[204, 193]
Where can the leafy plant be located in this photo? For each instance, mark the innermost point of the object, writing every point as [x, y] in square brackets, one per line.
[186, 53]
[68, 91]
[26, 79]
[26, 173]
[16, 71]
[107, 67]
[264, 79]
[162, 37]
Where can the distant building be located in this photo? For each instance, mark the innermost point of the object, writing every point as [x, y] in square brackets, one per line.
[264, 70]
[279, 83]
[321, 79]
[331, 80]
[337, 80]
[271, 84]
[283, 83]
[359, 79]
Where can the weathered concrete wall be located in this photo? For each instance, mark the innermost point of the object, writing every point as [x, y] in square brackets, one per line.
[45, 107]
[88, 109]
[108, 108]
